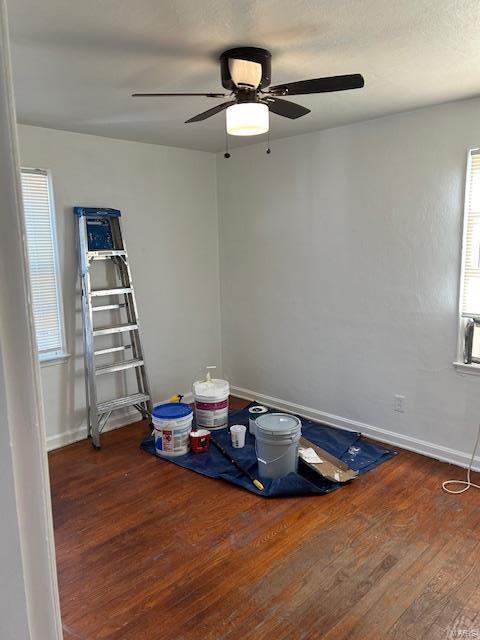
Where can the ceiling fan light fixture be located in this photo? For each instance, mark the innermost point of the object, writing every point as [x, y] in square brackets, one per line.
[247, 119]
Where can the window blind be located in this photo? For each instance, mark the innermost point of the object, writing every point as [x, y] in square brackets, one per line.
[42, 258]
[471, 247]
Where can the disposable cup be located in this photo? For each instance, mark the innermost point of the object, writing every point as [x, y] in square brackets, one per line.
[237, 433]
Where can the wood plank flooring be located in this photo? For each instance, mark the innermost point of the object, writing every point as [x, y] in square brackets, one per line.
[149, 551]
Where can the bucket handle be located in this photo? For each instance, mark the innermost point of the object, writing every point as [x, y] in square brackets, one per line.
[269, 461]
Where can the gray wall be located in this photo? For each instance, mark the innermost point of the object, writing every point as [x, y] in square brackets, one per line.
[339, 258]
[168, 200]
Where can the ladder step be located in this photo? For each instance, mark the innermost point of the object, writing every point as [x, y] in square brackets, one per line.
[108, 307]
[103, 255]
[119, 403]
[118, 366]
[103, 331]
[110, 292]
[101, 352]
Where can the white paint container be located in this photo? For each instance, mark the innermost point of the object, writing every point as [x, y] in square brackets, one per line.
[276, 444]
[253, 414]
[172, 423]
[211, 402]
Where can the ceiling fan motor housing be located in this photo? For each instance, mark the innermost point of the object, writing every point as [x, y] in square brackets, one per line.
[243, 64]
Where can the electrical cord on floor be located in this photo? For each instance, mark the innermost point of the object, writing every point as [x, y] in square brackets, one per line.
[466, 484]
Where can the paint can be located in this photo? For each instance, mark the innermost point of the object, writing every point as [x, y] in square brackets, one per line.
[172, 423]
[253, 413]
[211, 403]
[276, 444]
[200, 440]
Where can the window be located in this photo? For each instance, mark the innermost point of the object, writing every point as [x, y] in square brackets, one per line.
[470, 285]
[43, 262]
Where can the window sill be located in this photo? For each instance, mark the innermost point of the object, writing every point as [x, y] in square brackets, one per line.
[472, 369]
[55, 360]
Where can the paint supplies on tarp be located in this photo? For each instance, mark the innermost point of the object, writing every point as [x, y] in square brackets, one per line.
[211, 402]
[324, 463]
[172, 423]
[306, 482]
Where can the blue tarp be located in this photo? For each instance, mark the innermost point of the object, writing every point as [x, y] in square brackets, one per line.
[346, 445]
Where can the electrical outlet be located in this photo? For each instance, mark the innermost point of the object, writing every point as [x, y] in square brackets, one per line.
[399, 403]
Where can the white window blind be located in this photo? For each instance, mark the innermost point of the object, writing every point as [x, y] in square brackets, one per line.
[42, 257]
[471, 245]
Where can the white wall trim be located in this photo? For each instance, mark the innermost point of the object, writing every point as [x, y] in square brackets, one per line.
[436, 451]
[55, 361]
[470, 369]
[75, 435]
[116, 422]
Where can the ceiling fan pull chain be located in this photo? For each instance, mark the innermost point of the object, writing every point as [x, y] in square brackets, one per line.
[269, 151]
[226, 154]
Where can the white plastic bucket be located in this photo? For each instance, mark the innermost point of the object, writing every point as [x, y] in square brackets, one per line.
[254, 413]
[211, 403]
[172, 423]
[276, 444]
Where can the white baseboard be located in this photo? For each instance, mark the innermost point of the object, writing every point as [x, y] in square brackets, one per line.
[68, 437]
[74, 435]
[417, 445]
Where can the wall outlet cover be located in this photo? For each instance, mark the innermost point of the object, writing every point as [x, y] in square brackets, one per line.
[399, 403]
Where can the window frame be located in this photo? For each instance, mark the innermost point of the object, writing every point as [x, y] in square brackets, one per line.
[60, 355]
[463, 364]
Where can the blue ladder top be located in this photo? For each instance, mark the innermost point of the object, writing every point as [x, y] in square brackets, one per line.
[96, 212]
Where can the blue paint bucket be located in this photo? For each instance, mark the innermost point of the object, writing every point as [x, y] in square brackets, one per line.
[172, 423]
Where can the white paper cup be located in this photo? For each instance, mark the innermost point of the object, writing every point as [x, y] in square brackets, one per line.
[237, 433]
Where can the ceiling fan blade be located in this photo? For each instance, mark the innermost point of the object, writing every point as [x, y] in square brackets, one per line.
[286, 108]
[319, 85]
[210, 112]
[175, 95]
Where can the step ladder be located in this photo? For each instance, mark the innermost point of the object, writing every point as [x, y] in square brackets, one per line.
[99, 240]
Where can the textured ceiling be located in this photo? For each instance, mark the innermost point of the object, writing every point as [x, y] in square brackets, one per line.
[76, 63]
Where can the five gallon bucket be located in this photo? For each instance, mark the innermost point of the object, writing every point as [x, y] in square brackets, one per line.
[211, 403]
[277, 437]
[172, 423]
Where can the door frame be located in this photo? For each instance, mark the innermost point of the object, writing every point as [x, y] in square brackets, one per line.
[30, 547]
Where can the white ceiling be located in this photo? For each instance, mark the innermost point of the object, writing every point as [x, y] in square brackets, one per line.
[76, 62]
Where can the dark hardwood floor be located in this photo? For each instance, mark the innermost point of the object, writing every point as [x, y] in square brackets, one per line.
[149, 551]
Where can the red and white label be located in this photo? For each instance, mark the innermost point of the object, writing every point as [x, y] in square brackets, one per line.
[211, 406]
[212, 415]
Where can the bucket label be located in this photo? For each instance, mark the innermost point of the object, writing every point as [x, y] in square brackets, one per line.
[172, 440]
[211, 406]
[212, 415]
[167, 440]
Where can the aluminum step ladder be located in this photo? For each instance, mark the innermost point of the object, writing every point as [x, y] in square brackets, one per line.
[99, 240]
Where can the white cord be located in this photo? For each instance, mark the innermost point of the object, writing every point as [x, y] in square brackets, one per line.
[466, 483]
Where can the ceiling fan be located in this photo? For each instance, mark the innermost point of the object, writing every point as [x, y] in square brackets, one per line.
[246, 74]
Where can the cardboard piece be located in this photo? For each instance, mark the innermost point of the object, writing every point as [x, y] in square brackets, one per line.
[329, 466]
